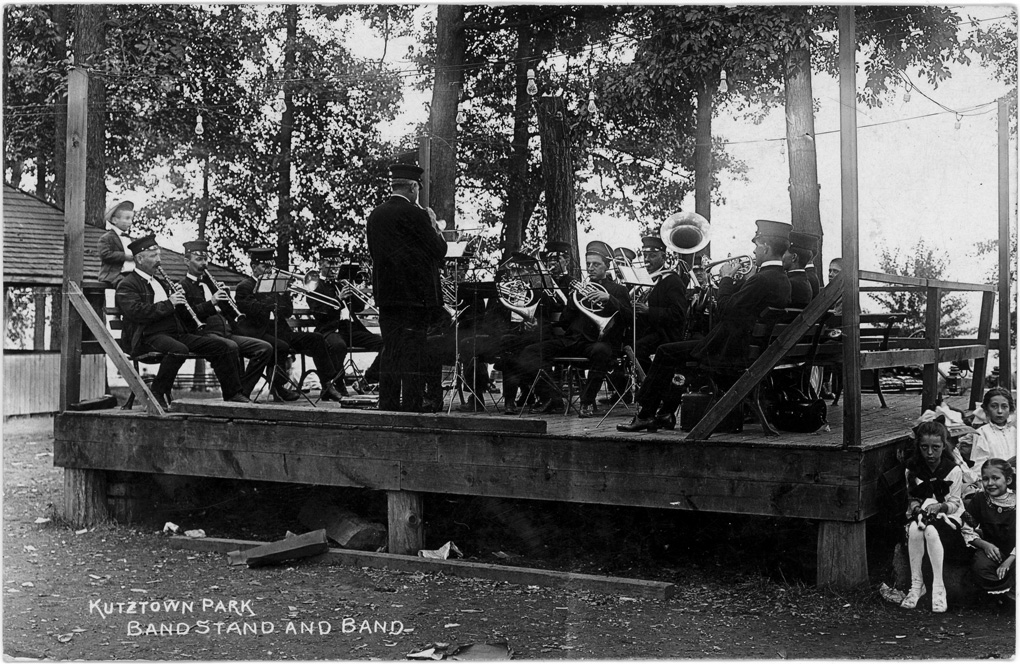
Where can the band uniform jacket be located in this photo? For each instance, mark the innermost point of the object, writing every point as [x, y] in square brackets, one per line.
[328, 319]
[667, 309]
[406, 253]
[111, 255]
[141, 316]
[208, 312]
[800, 289]
[257, 308]
[578, 323]
[812, 277]
[727, 344]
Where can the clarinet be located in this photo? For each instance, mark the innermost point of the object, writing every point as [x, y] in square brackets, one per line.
[177, 288]
[219, 285]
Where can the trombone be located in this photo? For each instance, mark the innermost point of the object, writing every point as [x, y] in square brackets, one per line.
[309, 293]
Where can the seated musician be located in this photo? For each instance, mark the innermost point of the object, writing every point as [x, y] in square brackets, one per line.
[212, 303]
[662, 310]
[149, 306]
[551, 283]
[583, 337]
[794, 260]
[342, 327]
[265, 317]
[728, 342]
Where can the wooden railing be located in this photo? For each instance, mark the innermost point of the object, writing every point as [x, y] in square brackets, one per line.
[930, 350]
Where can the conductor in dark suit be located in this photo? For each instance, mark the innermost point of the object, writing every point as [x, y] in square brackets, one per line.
[112, 256]
[407, 250]
[149, 306]
[265, 318]
[728, 342]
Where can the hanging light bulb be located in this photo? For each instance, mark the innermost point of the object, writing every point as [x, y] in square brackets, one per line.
[280, 105]
[906, 95]
[723, 86]
[958, 118]
[782, 146]
[199, 129]
[461, 116]
[592, 108]
[532, 86]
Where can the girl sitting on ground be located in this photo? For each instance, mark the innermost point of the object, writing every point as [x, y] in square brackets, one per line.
[934, 506]
[994, 537]
[997, 439]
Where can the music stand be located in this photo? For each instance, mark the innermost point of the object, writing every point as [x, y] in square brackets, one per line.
[459, 384]
[632, 275]
[272, 281]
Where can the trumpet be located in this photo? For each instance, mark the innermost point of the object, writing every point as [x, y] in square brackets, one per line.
[746, 264]
[219, 285]
[177, 289]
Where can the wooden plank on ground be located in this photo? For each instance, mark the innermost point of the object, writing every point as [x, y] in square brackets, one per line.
[609, 585]
[330, 414]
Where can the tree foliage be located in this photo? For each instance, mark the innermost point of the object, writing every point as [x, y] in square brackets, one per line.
[924, 262]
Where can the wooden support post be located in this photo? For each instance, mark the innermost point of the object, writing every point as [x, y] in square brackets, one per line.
[1005, 302]
[425, 161]
[851, 242]
[74, 236]
[405, 522]
[977, 383]
[39, 327]
[84, 497]
[842, 554]
[932, 323]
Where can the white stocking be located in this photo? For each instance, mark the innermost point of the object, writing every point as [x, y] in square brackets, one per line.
[936, 553]
[915, 551]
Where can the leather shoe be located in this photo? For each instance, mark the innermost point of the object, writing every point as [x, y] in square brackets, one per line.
[666, 420]
[282, 393]
[638, 424]
[551, 405]
[238, 398]
[588, 410]
[330, 393]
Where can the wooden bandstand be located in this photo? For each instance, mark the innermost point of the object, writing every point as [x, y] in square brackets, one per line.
[838, 478]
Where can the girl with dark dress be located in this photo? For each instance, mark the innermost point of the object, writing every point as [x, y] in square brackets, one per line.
[994, 535]
[934, 508]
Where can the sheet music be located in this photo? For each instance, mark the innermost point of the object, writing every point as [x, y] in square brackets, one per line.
[635, 275]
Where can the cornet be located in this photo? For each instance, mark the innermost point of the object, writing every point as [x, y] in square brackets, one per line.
[746, 264]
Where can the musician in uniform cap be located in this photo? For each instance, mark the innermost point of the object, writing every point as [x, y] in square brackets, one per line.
[114, 259]
[583, 337]
[407, 248]
[662, 313]
[728, 342]
[213, 306]
[794, 260]
[342, 327]
[265, 318]
[149, 307]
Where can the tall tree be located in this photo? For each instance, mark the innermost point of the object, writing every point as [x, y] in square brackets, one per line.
[446, 91]
[89, 45]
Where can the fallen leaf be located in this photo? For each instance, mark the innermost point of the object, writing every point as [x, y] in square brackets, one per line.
[28, 584]
[452, 625]
[64, 638]
[42, 519]
[81, 532]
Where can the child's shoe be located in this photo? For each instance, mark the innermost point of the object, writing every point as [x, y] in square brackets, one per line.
[912, 598]
[938, 600]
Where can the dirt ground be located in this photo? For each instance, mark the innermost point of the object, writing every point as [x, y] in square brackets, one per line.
[743, 585]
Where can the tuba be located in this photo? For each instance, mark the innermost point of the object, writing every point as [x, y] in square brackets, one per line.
[685, 232]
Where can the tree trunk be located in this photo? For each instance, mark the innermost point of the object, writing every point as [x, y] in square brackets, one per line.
[450, 49]
[558, 171]
[41, 157]
[283, 213]
[519, 201]
[60, 21]
[17, 168]
[89, 44]
[800, 131]
[703, 159]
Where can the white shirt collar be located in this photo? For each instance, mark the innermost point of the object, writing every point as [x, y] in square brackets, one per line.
[797, 270]
[402, 196]
[769, 263]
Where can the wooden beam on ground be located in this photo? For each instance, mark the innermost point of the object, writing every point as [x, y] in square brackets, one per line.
[767, 360]
[1005, 302]
[977, 385]
[113, 351]
[74, 234]
[932, 323]
[842, 554]
[609, 585]
[358, 418]
[847, 24]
